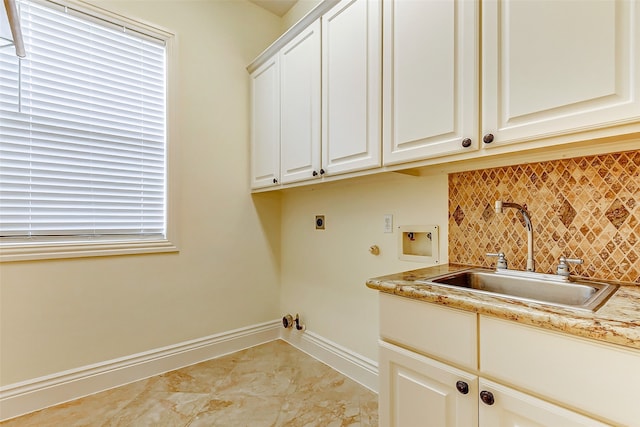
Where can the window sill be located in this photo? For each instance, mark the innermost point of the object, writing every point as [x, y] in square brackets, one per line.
[42, 251]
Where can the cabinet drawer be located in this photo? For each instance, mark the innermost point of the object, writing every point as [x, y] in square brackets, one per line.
[595, 378]
[444, 333]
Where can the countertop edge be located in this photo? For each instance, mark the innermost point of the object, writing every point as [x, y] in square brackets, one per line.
[611, 324]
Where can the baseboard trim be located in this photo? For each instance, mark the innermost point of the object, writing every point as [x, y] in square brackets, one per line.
[32, 395]
[343, 360]
[39, 393]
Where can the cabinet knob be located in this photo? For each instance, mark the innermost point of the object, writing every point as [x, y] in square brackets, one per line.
[321, 171]
[462, 387]
[314, 173]
[488, 138]
[466, 142]
[487, 397]
[275, 181]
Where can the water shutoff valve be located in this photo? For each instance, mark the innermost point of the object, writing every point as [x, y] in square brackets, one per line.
[288, 321]
[502, 261]
[563, 265]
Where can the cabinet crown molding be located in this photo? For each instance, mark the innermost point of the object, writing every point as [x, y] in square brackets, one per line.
[291, 33]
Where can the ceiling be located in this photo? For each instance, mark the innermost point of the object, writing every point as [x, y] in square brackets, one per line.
[277, 7]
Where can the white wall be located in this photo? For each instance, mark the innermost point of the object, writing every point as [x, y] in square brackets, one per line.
[58, 315]
[301, 8]
[324, 271]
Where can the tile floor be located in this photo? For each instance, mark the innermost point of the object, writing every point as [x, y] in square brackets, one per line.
[273, 384]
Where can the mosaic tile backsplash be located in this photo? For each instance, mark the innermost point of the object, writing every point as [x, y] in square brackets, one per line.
[585, 207]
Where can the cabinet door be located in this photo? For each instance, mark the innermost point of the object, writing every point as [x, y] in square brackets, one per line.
[418, 391]
[265, 125]
[511, 408]
[351, 93]
[300, 106]
[430, 78]
[558, 67]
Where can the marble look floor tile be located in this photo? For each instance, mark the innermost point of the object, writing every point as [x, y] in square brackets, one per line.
[240, 410]
[270, 385]
[160, 409]
[94, 410]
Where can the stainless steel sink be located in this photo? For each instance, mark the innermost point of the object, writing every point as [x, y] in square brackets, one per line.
[528, 286]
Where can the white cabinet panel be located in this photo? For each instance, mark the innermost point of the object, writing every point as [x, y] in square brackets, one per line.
[351, 94]
[430, 78]
[441, 332]
[418, 391]
[300, 106]
[556, 67]
[577, 372]
[265, 124]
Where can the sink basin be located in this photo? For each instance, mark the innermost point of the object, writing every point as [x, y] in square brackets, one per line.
[528, 286]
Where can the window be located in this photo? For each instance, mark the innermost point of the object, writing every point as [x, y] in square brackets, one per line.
[83, 136]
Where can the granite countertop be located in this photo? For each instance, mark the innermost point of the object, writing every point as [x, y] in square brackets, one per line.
[616, 322]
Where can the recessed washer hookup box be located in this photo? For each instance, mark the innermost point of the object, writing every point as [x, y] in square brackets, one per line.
[419, 243]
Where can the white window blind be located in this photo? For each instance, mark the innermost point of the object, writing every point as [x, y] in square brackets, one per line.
[82, 130]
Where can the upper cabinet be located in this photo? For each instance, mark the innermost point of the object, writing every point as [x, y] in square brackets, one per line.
[351, 95]
[285, 119]
[265, 124]
[302, 132]
[553, 71]
[300, 106]
[430, 83]
[385, 84]
[558, 67]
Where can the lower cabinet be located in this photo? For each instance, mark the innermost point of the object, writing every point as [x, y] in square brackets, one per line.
[418, 390]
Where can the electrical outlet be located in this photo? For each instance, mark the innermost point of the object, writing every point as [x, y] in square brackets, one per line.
[388, 223]
[319, 222]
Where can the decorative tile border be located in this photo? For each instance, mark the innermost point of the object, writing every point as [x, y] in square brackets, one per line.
[585, 207]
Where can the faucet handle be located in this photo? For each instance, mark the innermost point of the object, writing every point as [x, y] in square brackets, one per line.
[563, 265]
[502, 261]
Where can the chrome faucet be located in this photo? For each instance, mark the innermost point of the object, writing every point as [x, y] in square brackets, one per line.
[500, 205]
